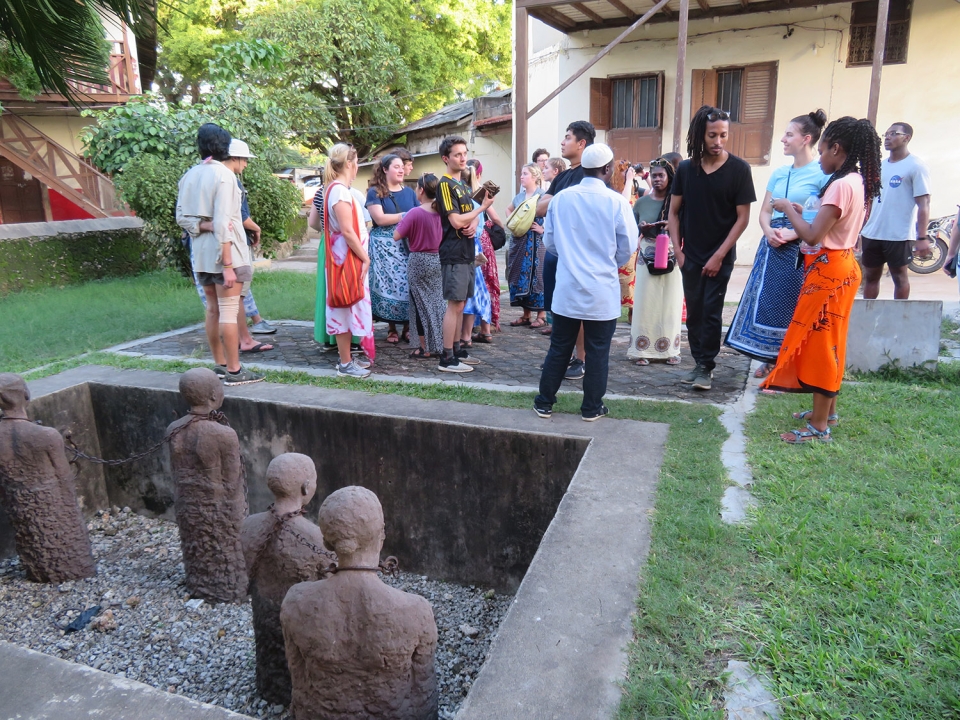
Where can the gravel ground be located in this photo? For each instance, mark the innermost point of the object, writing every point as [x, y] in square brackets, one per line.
[149, 630]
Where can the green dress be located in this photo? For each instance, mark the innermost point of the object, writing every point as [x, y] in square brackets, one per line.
[320, 334]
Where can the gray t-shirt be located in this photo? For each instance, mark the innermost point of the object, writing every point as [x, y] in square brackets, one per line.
[894, 214]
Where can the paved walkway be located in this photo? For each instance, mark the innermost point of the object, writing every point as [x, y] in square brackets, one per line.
[511, 361]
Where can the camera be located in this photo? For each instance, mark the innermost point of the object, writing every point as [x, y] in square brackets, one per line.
[638, 168]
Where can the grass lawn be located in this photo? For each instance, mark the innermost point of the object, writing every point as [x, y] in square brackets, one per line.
[853, 593]
[57, 323]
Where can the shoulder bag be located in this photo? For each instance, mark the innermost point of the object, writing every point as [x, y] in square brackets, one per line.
[523, 216]
[344, 282]
[648, 254]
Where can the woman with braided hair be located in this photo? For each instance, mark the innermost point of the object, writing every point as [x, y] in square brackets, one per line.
[813, 353]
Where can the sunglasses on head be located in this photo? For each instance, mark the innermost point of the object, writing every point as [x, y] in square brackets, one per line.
[718, 115]
[659, 163]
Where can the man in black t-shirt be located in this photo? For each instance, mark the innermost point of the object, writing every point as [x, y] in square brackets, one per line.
[458, 220]
[710, 209]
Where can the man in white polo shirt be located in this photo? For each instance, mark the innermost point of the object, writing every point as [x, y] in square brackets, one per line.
[590, 228]
[898, 217]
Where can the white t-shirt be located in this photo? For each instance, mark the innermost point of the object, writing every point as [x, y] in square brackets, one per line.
[894, 214]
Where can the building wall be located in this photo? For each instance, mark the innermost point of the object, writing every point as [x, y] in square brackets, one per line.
[812, 74]
[63, 129]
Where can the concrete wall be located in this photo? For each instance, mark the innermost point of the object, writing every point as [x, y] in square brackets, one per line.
[904, 332]
[812, 73]
[461, 503]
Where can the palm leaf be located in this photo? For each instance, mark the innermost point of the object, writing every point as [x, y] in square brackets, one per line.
[64, 39]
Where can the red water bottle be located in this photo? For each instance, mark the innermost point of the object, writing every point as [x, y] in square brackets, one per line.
[662, 251]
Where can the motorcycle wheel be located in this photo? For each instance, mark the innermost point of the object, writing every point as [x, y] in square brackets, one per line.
[931, 265]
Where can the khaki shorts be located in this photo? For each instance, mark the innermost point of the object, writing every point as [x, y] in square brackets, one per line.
[458, 281]
[244, 275]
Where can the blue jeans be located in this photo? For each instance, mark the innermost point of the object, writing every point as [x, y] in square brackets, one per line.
[597, 335]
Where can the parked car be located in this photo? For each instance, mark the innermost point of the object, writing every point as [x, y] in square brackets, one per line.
[310, 187]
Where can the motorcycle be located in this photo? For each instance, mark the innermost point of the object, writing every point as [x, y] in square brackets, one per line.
[938, 230]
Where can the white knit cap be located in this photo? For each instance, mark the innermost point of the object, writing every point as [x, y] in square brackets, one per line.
[596, 156]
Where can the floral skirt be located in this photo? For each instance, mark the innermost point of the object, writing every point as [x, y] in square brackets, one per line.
[525, 270]
[389, 293]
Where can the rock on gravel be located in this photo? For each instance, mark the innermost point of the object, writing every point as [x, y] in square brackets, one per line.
[151, 631]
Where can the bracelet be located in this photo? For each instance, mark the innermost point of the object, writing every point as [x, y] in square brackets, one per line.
[228, 267]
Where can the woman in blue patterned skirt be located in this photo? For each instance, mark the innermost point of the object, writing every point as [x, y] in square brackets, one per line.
[771, 293]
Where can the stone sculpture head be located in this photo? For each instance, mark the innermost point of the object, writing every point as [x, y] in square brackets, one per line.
[14, 394]
[292, 477]
[351, 520]
[202, 390]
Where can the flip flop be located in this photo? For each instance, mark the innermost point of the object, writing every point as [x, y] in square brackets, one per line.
[259, 348]
[520, 322]
[673, 360]
[393, 338]
[642, 362]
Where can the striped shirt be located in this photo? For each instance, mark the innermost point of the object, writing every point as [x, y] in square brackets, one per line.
[453, 197]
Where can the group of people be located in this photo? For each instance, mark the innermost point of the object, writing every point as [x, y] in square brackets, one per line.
[428, 260]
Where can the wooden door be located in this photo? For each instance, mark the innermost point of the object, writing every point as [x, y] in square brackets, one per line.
[21, 200]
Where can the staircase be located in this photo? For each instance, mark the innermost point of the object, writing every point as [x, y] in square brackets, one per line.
[58, 168]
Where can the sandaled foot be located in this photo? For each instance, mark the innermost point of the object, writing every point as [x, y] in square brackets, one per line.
[763, 371]
[405, 337]
[258, 348]
[642, 362]
[392, 337]
[421, 354]
[537, 324]
[520, 322]
[483, 338]
[546, 330]
[798, 437]
[832, 420]
[673, 360]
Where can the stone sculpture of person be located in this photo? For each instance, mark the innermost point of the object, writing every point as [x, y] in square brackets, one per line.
[282, 548]
[38, 492]
[358, 649]
[209, 498]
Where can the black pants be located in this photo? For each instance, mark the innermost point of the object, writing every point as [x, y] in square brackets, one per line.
[597, 335]
[704, 296]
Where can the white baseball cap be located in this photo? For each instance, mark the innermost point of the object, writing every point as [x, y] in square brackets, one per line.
[239, 149]
[596, 156]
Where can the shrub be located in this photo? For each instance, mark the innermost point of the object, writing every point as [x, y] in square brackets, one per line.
[274, 204]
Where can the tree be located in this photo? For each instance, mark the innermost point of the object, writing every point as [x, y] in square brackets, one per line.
[64, 39]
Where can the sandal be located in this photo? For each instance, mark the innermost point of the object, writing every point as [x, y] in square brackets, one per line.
[466, 344]
[483, 338]
[546, 331]
[642, 362]
[392, 337]
[421, 354]
[798, 437]
[673, 360]
[763, 371]
[537, 324]
[832, 420]
[520, 322]
[405, 336]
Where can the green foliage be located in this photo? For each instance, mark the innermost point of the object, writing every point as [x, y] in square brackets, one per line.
[36, 262]
[274, 204]
[149, 186]
[18, 69]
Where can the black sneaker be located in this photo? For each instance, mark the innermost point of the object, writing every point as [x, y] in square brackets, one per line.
[453, 365]
[544, 412]
[704, 380]
[575, 370]
[464, 357]
[591, 418]
[691, 377]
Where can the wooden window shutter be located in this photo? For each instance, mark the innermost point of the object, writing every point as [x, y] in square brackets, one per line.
[703, 89]
[600, 103]
[753, 135]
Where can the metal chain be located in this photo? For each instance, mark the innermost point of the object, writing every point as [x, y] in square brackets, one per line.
[214, 415]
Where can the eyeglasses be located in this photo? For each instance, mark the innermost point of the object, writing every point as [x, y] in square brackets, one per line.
[894, 133]
[659, 163]
[718, 115]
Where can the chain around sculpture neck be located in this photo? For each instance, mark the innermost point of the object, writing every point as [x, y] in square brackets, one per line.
[388, 566]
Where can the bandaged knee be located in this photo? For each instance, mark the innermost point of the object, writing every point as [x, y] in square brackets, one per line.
[229, 309]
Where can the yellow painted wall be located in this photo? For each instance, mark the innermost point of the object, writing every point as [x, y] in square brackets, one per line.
[812, 74]
[64, 130]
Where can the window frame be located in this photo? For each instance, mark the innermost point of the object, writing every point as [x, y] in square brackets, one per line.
[863, 33]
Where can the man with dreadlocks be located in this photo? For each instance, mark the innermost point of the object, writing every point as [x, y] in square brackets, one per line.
[814, 348]
[709, 211]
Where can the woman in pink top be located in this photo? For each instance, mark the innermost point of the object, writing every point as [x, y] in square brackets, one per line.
[814, 348]
[421, 228]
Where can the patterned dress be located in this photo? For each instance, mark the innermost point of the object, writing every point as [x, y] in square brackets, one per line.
[525, 265]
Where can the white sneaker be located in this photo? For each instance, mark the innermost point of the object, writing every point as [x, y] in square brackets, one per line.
[361, 363]
[352, 369]
[453, 365]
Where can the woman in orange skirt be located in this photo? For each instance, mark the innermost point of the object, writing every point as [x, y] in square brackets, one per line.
[813, 353]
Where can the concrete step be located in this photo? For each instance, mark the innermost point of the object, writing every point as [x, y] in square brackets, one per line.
[41, 687]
